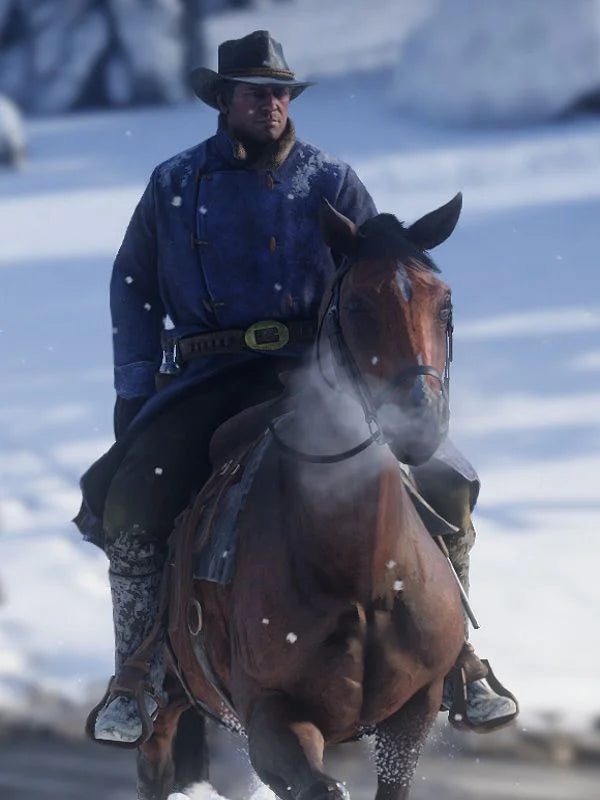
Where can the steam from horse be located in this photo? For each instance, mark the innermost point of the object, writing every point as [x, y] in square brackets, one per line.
[342, 617]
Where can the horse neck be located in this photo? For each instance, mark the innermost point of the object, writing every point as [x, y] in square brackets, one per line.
[348, 512]
[328, 417]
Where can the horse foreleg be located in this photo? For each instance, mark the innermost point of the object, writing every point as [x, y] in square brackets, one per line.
[286, 751]
[399, 741]
[155, 765]
[190, 750]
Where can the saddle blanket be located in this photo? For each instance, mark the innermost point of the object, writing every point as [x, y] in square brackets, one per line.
[225, 496]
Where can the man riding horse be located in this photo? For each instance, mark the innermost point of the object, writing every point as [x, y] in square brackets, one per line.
[224, 241]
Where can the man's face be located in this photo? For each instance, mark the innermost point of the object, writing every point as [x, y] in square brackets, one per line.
[258, 113]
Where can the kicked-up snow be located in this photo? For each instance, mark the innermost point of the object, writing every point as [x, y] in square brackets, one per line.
[205, 791]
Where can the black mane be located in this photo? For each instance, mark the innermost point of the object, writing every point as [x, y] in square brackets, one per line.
[384, 236]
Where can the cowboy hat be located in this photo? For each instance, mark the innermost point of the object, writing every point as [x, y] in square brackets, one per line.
[256, 58]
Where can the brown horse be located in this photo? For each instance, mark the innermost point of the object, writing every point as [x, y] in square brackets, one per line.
[343, 616]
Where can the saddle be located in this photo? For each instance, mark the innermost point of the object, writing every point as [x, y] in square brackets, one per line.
[243, 428]
[202, 545]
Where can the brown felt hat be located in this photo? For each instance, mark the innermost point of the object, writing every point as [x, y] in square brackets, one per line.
[255, 58]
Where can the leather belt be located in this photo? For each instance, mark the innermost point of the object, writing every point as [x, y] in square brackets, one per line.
[261, 336]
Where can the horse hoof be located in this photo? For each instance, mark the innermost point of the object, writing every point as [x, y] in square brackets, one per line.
[325, 790]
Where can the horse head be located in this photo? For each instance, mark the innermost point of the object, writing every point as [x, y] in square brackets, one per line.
[388, 318]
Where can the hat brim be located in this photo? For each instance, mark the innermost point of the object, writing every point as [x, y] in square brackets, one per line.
[206, 84]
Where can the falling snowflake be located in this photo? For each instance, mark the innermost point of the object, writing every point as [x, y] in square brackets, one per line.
[147, 306]
[225, 553]
[115, 331]
[375, 360]
[203, 209]
[176, 201]
[158, 470]
[398, 586]
[291, 638]
[265, 621]
[128, 279]
[290, 197]
[391, 564]
[278, 287]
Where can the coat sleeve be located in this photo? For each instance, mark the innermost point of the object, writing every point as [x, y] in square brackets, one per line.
[136, 307]
[353, 200]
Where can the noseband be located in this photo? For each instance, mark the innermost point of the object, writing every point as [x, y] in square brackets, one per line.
[343, 356]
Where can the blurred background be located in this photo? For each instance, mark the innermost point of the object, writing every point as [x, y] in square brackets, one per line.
[424, 98]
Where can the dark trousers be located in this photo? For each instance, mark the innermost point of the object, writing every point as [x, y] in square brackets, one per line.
[169, 461]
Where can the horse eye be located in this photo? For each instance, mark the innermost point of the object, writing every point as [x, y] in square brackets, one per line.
[446, 312]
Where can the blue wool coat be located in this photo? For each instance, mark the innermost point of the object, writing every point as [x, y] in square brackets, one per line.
[212, 245]
[215, 245]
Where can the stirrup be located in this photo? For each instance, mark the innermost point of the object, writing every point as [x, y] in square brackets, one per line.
[133, 690]
[458, 713]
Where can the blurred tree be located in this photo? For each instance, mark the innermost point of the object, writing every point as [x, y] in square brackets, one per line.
[194, 12]
[13, 35]
[59, 55]
[224, 5]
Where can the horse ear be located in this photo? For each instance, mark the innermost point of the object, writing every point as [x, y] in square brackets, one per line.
[435, 227]
[339, 232]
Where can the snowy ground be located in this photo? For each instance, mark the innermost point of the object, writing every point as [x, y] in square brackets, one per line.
[525, 384]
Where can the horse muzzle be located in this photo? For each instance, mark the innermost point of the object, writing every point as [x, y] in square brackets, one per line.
[415, 426]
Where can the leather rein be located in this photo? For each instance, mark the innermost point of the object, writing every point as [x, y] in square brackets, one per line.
[344, 358]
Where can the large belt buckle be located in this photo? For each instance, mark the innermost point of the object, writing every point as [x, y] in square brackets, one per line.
[266, 334]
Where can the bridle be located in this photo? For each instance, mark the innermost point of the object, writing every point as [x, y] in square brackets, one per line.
[330, 321]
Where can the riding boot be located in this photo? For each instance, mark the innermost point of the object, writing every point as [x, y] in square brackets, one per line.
[472, 694]
[474, 697]
[135, 606]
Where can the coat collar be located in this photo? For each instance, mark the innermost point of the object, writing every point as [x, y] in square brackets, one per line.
[271, 157]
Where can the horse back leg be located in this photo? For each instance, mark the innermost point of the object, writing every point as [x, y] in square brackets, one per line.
[399, 741]
[286, 751]
[155, 764]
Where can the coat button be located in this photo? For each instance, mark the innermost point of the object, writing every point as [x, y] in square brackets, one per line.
[272, 244]
[270, 181]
